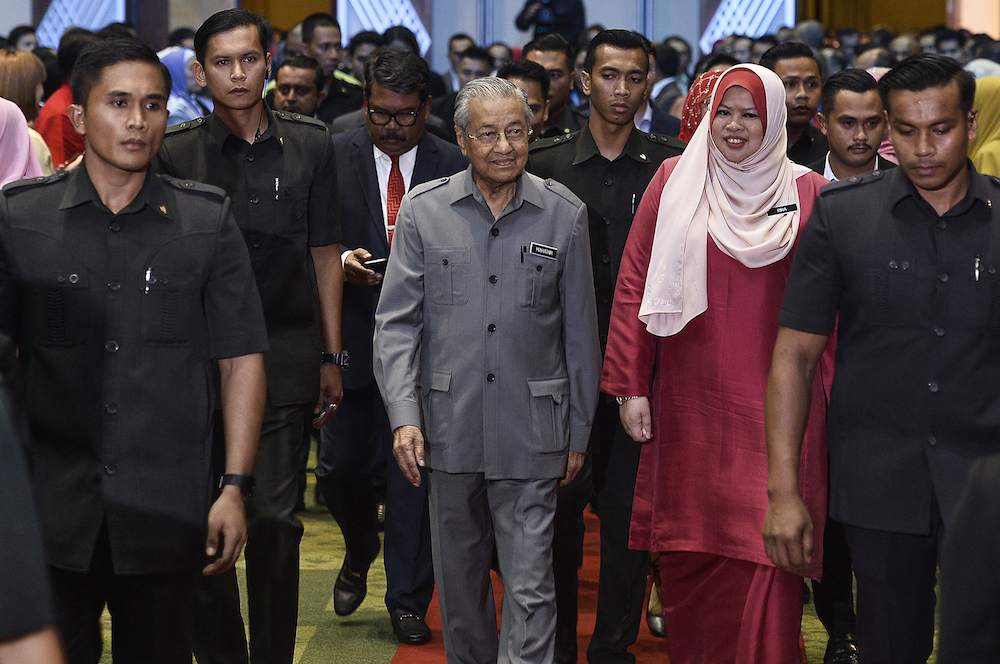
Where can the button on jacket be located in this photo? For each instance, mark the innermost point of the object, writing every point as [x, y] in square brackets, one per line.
[495, 321]
[284, 198]
[117, 318]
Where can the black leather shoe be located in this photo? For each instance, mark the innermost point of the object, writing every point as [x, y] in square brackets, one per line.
[351, 587]
[656, 625]
[841, 650]
[409, 627]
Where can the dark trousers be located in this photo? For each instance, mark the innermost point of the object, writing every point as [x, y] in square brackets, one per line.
[622, 585]
[272, 557]
[151, 614]
[567, 556]
[834, 596]
[354, 446]
[896, 577]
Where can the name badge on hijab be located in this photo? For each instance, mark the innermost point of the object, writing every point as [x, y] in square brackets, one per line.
[782, 209]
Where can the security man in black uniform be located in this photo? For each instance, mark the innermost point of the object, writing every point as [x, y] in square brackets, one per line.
[279, 170]
[905, 264]
[119, 288]
[607, 164]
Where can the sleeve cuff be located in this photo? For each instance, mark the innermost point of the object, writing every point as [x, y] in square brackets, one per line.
[403, 413]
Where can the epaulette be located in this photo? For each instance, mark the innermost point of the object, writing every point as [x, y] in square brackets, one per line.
[543, 143]
[18, 186]
[424, 187]
[186, 125]
[670, 141]
[298, 117]
[562, 191]
[853, 181]
[191, 185]
[994, 180]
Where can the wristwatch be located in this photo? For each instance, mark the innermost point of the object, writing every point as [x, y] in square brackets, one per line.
[340, 359]
[245, 483]
[621, 400]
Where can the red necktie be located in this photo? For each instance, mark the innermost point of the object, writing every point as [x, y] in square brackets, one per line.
[396, 191]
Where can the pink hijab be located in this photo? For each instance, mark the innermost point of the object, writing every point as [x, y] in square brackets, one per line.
[750, 209]
[17, 157]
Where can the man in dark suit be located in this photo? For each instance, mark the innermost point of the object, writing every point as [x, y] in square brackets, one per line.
[376, 165]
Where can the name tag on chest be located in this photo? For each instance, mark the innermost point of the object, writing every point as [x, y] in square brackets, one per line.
[782, 209]
[543, 250]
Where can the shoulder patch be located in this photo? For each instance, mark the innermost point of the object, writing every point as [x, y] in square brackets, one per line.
[298, 117]
[18, 186]
[185, 126]
[663, 141]
[543, 143]
[191, 185]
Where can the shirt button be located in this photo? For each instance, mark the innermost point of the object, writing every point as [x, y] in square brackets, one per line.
[111, 408]
[605, 258]
[943, 277]
[61, 279]
[942, 224]
[114, 227]
[254, 200]
[110, 469]
[932, 440]
[493, 278]
[73, 278]
[609, 182]
[906, 265]
[115, 286]
[607, 221]
[444, 261]
[490, 378]
[932, 386]
[111, 346]
[494, 232]
[250, 157]
[255, 243]
[939, 331]
[893, 265]
[491, 327]
[538, 268]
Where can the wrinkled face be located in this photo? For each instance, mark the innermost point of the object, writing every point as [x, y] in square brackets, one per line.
[235, 69]
[362, 52]
[469, 69]
[803, 88]
[325, 47]
[558, 68]
[931, 134]
[394, 139]
[538, 104]
[295, 91]
[737, 129]
[455, 50]
[617, 86]
[855, 127]
[125, 117]
[503, 161]
[26, 42]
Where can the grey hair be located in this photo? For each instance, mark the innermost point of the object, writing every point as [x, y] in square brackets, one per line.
[489, 87]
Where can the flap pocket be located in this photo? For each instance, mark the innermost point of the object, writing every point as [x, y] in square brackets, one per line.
[557, 388]
[441, 381]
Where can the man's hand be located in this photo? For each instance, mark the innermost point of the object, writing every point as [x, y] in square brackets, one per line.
[636, 419]
[788, 533]
[331, 391]
[226, 521]
[573, 466]
[355, 271]
[408, 448]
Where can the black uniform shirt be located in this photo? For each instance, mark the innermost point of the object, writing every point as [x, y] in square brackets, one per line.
[117, 318]
[812, 145]
[284, 197]
[917, 377]
[612, 191]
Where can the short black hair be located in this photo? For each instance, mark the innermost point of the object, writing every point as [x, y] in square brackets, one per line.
[53, 78]
[851, 80]
[712, 60]
[71, 43]
[625, 40]
[116, 31]
[528, 70]
[179, 35]
[457, 36]
[17, 33]
[401, 33]
[226, 20]
[364, 37]
[989, 50]
[787, 51]
[928, 70]
[399, 70]
[477, 53]
[551, 41]
[668, 59]
[766, 39]
[510, 53]
[304, 62]
[317, 20]
[97, 57]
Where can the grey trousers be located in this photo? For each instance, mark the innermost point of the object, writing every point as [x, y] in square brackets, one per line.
[467, 514]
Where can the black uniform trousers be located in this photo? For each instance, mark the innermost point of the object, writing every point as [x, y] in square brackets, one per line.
[354, 445]
[271, 552]
[568, 531]
[622, 585]
[833, 597]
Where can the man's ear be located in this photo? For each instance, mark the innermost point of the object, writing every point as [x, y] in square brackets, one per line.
[199, 74]
[76, 116]
[585, 82]
[821, 121]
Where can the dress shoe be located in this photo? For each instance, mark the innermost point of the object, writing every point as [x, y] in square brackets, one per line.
[841, 650]
[409, 627]
[351, 587]
[656, 625]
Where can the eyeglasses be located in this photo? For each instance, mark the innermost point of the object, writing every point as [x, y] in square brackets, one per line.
[403, 118]
[514, 136]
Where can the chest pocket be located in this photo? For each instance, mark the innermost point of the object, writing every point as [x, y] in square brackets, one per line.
[893, 288]
[446, 275]
[171, 309]
[292, 209]
[536, 285]
[57, 308]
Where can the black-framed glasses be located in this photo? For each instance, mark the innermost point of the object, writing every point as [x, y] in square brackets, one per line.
[403, 118]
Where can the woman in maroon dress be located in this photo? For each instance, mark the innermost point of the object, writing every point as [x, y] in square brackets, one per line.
[693, 326]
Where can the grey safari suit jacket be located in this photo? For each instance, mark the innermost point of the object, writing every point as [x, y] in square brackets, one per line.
[488, 328]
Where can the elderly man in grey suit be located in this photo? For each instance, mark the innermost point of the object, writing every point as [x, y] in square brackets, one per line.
[487, 355]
